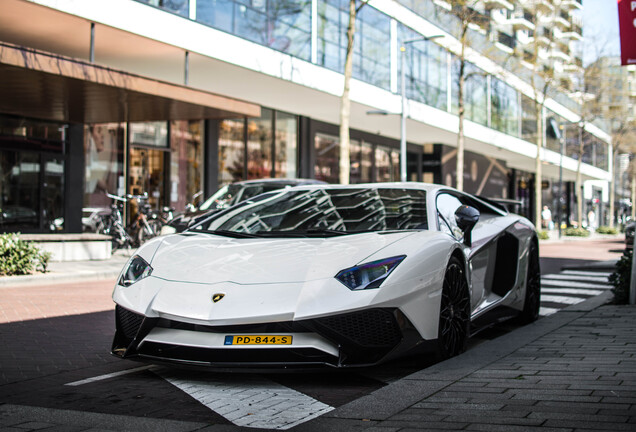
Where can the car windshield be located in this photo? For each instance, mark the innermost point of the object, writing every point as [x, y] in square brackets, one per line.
[221, 198]
[323, 212]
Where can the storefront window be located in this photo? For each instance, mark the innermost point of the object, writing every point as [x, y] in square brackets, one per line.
[286, 139]
[103, 150]
[387, 164]
[19, 190]
[180, 7]
[361, 162]
[32, 169]
[153, 134]
[327, 166]
[186, 162]
[425, 70]
[372, 41]
[528, 119]
[49, 135]
[231, 151]
[149, 154]
[475, 92]
[259, 145]
[283, 25]
[504, 105]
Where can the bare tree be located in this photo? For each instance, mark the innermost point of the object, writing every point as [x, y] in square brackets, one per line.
[345, 102]
[542, 82]
[465, 11]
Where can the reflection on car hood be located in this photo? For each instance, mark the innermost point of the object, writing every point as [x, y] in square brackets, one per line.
[204, 258]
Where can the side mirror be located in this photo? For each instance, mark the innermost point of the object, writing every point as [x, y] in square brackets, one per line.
[466, 217]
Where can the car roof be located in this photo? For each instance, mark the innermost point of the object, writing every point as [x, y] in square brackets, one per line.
[283, 181]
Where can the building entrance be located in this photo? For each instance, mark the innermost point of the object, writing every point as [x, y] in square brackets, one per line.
[147, 174]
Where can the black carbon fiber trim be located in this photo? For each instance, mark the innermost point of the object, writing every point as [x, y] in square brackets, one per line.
[128, 322]
[373, 328]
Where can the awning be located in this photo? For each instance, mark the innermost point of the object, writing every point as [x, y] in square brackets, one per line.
[42, 85]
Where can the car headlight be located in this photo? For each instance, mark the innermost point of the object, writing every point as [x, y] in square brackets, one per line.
[368, 275]
[137, 269]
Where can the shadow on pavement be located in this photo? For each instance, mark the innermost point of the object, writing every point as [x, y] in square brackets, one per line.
[556, 265]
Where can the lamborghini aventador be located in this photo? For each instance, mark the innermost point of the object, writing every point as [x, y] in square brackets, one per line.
[328, 275]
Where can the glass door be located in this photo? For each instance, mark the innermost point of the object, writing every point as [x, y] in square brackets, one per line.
[19, 191]
[52, 192]
[31, 191]
[147, 175]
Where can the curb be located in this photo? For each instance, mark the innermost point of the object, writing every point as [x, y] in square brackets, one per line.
[53, 278]
[404, 393]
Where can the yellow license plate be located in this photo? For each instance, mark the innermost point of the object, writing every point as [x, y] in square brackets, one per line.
[258, 340]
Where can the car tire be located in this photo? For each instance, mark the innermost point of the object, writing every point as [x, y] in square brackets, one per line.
[532, 301]
[454, 316]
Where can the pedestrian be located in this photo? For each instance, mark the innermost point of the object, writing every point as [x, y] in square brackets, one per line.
[546, 216]
[591, 220]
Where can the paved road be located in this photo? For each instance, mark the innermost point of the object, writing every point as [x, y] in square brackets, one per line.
[60, 360]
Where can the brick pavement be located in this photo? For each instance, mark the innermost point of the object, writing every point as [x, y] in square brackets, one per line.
[21, 303]
[598, 248]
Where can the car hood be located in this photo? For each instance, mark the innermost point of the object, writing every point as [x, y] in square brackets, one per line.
[209, 259]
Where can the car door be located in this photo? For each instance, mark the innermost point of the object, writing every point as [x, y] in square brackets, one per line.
[483, 251]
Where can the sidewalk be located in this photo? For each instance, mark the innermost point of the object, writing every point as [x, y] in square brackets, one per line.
[72, 271]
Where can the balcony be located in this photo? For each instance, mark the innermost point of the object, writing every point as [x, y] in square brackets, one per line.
[498, 4]
[573, 67]
[543, 6]
[562, 19]
[572, 35]
[558, 54]
[522, 21]
[506, 42]
[572, 4]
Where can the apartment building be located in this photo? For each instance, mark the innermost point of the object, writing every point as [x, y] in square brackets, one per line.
[173, 97]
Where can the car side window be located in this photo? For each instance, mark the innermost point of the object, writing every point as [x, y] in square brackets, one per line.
[446, 206]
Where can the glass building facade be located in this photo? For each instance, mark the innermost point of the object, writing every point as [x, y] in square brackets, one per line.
[173, 160]
[431, 72]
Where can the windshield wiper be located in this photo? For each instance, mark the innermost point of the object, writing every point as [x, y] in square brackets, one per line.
[233, 234]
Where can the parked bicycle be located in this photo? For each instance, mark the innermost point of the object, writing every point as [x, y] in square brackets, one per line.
[144, 225]
[112, 224]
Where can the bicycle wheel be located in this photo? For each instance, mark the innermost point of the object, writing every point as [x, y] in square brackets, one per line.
[147, 231]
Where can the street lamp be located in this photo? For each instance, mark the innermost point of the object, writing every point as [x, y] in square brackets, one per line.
[403, 112]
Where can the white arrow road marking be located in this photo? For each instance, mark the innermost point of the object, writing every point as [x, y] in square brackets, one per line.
[250, 401]
[599, 279]
[545, 311]
[591, 292]
[586, 273]
[561, 299]
[110, 375]
[568, 284]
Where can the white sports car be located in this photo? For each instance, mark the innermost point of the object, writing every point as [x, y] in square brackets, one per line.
[328, 275]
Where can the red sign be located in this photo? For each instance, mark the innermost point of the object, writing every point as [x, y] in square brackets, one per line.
[627, 23]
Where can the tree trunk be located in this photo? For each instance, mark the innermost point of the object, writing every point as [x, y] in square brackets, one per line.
[345, 103]
[633, 184]
[612, 189]
[459, 168]
[538, 179]
[579, 191]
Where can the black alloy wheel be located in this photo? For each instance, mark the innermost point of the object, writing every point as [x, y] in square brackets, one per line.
[532, 301]
[454, 316]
